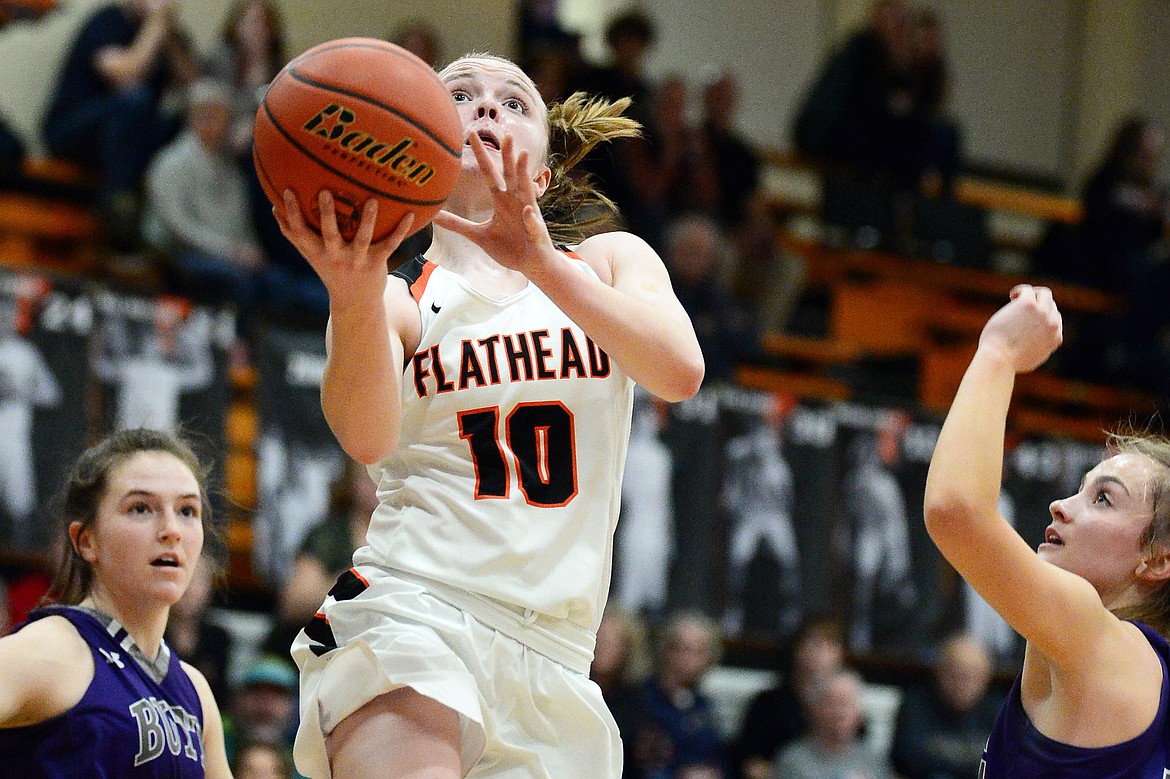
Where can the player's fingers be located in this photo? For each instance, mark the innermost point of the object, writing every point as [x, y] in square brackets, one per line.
[291, 214]
[387, 245]
[487, 164]
[365, 232]
[1020, 289]
[329, 229]
[455, 223]
[508, 159]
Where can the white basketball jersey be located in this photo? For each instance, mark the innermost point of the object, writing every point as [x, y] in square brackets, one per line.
[507, 479]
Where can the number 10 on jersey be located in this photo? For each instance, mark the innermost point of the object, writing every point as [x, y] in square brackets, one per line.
[541, 440]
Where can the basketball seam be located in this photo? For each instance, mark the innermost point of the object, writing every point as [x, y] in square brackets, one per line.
[357, 183]
[367, 43]
[292, 73]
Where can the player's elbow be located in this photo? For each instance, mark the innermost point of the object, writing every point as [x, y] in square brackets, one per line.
[684, 382]
[364, 447]
[946, 514]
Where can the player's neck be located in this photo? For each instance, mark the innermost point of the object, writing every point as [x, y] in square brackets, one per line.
[145, 626]
[464, 257]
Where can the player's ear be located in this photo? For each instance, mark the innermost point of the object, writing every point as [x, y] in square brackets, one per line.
[82, 540]
[1155, 566]
[542, 179]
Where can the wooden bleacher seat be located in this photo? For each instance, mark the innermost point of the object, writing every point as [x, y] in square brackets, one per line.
[799, 384]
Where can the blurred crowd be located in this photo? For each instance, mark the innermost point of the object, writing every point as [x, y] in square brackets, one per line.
[166, 135]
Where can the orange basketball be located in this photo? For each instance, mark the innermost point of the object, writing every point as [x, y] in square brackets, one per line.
[364, 119]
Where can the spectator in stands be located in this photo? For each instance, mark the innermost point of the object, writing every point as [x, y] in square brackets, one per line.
[680, 731]
[941, 139]
[197, 206]
[108, 113]
[326, 552]
[696, 255]
[195, 639]
[942, 726]
[847, 115]
[249, 53]
[833, 747]
[629, 38]
[726, 173]
[1127, 213]
[261, 760]
[649, 181]
[539, 30]
[263, 707]
[421, 38]
[778, 716]
[620, 667]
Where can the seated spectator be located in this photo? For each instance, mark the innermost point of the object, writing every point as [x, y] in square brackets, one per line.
[940, 156]
[696, 255]
[629, 37]
[727, 166]
[261, 760]
[263, 707]
[680, 732]
[326, 552]
[1127, 213]
[197, 206]
[108, 113]
[248, 55]
[778, 716]
[832, 748]
[197, 641]
[620, 667]
[420, 38]
[943, 726]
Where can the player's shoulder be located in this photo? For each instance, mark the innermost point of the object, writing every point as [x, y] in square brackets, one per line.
[52, 636]
[610, 243]
[606, 251]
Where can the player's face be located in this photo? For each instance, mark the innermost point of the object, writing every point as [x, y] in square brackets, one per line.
[1097, 532]
[496, 98]
[145, 542]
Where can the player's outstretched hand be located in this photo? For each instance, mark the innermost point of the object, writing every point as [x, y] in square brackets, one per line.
[354, 272]
[515, 235]
[1027, 330]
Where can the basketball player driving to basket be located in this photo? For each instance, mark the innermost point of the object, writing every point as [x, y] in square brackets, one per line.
[488, 386]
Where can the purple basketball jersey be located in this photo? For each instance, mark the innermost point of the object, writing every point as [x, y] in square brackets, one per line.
[133, 721]
[1016, 750]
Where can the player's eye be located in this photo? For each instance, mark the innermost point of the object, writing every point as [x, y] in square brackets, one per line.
[516, 105]
[139, 507]
[459, 96]
[1102, 497]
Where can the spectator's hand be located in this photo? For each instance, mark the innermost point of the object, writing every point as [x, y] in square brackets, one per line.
[1027, 330]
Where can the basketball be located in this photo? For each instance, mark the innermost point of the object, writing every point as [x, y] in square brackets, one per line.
[364, 119]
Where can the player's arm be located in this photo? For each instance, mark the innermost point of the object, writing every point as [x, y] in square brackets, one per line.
[45, 670]
[1058, 612]
[632, 313]
[370, 315]
[215, 762]
[636, 318]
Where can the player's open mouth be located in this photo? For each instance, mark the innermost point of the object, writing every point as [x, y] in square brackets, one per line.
[488, 139]
[1051, 537]
[165, 561]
